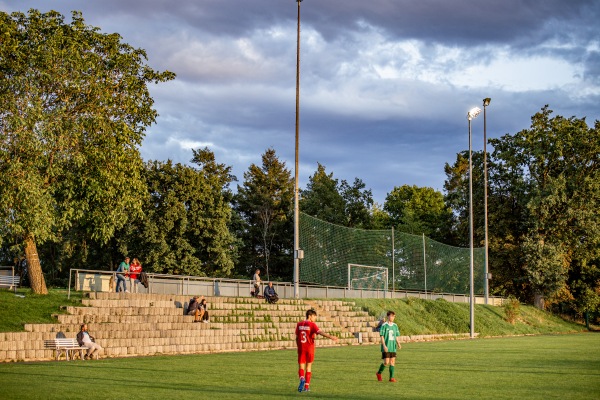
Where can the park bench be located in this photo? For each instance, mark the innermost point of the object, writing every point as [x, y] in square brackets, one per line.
[66, 345]
[9, 281]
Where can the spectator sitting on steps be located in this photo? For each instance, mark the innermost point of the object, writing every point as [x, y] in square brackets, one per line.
[270, 294]
[203, 311]
[196, 308]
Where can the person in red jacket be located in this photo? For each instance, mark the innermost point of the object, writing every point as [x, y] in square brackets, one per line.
[305, 340]
[134, 271]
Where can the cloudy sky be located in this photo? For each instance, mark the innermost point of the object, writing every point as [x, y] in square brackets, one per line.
[385, 85]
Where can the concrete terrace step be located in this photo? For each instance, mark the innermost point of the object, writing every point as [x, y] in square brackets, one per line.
[141, 303]
[218, 304]
[183, 299]
[142, 328]
[124, 310]
[34, 343]
[174, 348]
[138, 319]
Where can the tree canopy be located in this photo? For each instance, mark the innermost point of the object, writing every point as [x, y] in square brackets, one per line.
[337, 202]
[419, 210]
[264, 202]
[184, 228]
[74, 105]
[555, 167]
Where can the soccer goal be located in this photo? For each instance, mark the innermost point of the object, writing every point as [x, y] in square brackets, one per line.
[367, 277]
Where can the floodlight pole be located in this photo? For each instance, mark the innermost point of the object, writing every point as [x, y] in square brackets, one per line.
[297, 252]
[486, 102]
[473, 113]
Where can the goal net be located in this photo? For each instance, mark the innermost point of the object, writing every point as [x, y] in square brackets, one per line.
[367, 277]
[414, 262]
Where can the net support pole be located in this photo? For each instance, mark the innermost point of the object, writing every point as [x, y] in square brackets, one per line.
[297, 252]
[471, 291]
[393, 264]
[425, 265]
[387, 277]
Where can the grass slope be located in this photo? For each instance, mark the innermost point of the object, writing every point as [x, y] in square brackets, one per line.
[26, 307]
[531, 367]
[424, 317]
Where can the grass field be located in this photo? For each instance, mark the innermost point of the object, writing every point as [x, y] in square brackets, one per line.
[527, 367]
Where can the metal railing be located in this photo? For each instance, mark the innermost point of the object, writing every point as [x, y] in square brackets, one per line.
[95, 280]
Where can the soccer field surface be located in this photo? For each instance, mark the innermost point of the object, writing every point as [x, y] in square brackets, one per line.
[530, 367]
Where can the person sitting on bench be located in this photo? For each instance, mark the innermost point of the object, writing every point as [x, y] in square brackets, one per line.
[271, 294]
[86, 340]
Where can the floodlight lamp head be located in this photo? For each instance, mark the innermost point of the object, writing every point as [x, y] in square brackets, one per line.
[486, 101]
[473, 113]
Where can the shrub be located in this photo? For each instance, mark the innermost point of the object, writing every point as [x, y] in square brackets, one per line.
[512, 309]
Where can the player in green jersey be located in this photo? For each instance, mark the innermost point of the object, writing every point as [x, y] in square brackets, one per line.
[390, 343]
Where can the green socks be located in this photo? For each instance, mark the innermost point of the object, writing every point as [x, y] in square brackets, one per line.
[391, 371]
[381, 368]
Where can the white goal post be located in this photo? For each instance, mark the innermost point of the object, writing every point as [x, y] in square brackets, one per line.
[368, 275]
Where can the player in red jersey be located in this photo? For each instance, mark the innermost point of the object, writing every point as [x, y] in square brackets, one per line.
[305, 340]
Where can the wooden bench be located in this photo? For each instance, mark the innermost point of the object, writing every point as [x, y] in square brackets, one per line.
[10, 281]
[66, 345]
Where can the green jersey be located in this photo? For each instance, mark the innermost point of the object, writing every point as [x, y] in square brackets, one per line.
[389, 331]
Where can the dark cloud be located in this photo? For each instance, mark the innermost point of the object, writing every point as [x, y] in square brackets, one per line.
[385, 84]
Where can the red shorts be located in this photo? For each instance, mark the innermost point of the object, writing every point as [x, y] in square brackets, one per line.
[306, 357]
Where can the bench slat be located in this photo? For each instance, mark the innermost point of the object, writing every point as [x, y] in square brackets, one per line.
[64, 344]
[10, 281]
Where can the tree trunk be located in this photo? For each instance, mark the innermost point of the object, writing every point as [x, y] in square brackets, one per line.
[36, 277]
[539, 301]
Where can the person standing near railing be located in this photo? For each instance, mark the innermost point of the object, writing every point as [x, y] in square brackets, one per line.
[256, 282]
[122, 273]
[134, 270]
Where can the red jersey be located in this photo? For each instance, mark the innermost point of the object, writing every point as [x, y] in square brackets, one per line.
[134, 270]
[305, 335]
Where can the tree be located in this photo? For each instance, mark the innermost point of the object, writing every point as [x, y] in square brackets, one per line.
[559, 181]
[457, 197]
[506, 215]
[419, 210]
[187, 210]
[74, 105]
[339, 203]
[322, 199]
[359, 202]
[265, 203]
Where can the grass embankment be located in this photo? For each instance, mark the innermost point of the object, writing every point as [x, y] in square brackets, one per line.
[426, 317]
[414, 316]
[28, 308]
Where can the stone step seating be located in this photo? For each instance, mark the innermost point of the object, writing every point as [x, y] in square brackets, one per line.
[129, 324]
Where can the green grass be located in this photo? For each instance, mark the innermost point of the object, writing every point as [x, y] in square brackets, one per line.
[527, 367]
[423, 317]
[26, 307]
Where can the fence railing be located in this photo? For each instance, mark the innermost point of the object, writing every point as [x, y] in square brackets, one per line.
[100, 281]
